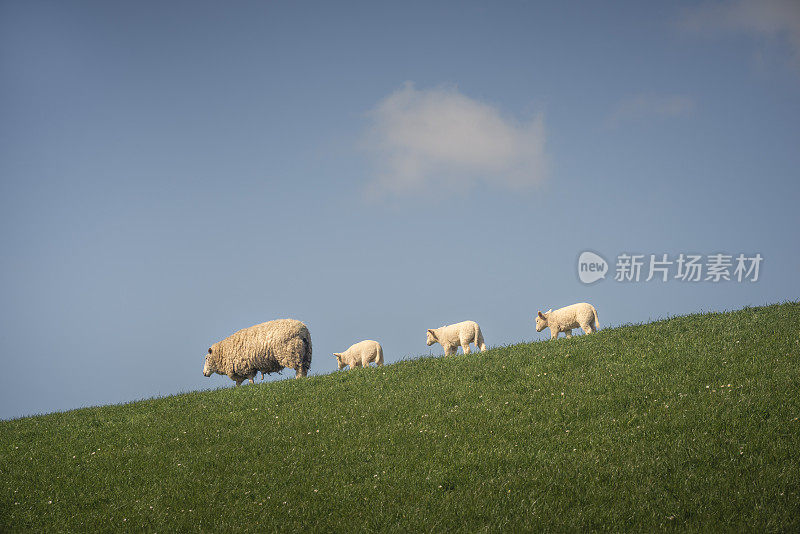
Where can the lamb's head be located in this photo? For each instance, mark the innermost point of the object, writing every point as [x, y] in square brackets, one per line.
[541, 321]
[431, 337]
[211, 363]
[339, 361]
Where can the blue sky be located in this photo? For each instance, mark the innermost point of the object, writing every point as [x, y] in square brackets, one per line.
[171, 172]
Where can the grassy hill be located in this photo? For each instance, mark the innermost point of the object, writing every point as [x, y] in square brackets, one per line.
[689, 423]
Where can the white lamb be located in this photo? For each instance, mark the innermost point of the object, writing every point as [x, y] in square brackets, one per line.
[565, 319]
[450, 337]
[360, 354]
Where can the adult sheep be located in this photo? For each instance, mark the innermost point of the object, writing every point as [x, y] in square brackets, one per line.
[455, 335]
[267, 347]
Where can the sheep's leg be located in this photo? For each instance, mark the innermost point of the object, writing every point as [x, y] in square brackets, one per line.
[465, 346]
[568, 333]
[587, 328]
[553, 333]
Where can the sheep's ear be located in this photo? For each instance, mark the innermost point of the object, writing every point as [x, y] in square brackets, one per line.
[548, 311]
[540, 315]
[337, 354]
[209, 350]
[431, 332]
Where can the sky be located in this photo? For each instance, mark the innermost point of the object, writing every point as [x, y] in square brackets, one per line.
[171, 172]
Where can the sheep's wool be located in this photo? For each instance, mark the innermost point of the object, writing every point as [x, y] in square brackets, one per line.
[267, 347]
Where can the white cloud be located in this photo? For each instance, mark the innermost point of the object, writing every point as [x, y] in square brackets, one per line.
[644, 106]
[424, 139]
[772, 19]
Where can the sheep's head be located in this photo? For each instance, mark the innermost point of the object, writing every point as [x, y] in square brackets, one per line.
[209, 367]
[541, 321]
[431, 337]
[339, 361]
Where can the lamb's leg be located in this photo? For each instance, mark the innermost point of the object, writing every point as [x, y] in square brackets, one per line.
[568, 333]
[553, 333]
[300, 372]
[587, 328]
[479, 343]
[465, 346]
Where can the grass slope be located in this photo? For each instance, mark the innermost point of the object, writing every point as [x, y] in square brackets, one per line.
[689, 423]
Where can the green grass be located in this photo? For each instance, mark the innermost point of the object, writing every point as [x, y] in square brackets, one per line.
[685, 424]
